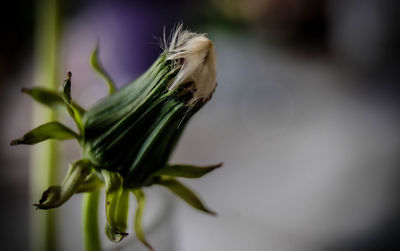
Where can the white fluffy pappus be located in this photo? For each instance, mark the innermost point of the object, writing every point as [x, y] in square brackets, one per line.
[197, 61]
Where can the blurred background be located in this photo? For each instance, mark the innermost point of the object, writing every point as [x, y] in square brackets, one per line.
[306, 119]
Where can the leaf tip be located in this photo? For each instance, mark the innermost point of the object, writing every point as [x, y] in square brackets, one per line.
[25, 90]
[114, 234]
[36, 205]
[210, 212]
[15, 142]
[39, 205]
[69, 75]
[219, 164]
[149, 246]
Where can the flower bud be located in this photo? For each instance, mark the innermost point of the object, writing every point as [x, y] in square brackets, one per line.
[134, 130]
[127, 137]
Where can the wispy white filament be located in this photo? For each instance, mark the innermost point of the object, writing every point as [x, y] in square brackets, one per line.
[196, 56]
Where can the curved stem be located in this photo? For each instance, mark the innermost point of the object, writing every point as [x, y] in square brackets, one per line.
[90, 221]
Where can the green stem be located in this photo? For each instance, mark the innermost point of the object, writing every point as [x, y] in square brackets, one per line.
[44, 157]
[90, 221]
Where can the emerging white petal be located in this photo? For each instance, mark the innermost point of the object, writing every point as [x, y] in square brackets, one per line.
[196, 56]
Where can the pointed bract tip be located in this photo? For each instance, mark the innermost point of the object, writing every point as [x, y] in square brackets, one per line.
[117, 235]
[69, 75]
[149, 246]
[24, 90]
[219, 164]
[38, 205]
[211, 212]
[123, 234]
[41, 206]
[14, 142]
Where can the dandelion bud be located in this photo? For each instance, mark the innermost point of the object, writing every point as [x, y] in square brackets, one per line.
[127, 137]
[134, 130]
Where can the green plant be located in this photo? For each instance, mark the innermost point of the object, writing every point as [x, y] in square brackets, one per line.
[127, 137]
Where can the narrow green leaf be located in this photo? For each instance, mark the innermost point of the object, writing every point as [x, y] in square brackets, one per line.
[99, 69]
[117, 205]
[141, 201]
[49, 98]
[93, 183]
[51, 130]
[65, 93]
[184, 193]
[186, 171]
[45, 97]
[55, 196]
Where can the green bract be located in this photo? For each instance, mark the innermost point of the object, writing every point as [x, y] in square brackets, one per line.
[127, 137]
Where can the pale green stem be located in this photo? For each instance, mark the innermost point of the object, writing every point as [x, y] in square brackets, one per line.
[90, 221]
[45, 156]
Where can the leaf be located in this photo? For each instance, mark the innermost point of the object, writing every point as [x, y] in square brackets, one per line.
[99, 69]
[65, 93]
[55, 196]
[141, 201]
[51, 130]
[184, 193]
[49, 98]
[45, 97]
[186, 171]
[117, 205]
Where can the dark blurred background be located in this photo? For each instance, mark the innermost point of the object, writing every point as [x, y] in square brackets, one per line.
[306, 116]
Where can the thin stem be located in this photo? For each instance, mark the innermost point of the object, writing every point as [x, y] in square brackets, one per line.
[90, 221]
[44, 157]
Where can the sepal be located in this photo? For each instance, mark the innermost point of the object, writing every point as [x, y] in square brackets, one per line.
[51, 130]
[141, 201]
[65, 93]
[186, 171]
[92, 184]
[184, 193]
[55, 196]
[49, 98]
[99, 69]
[117, 205]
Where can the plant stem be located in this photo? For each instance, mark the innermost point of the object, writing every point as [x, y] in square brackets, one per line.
[90, 221]
[44, 157]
